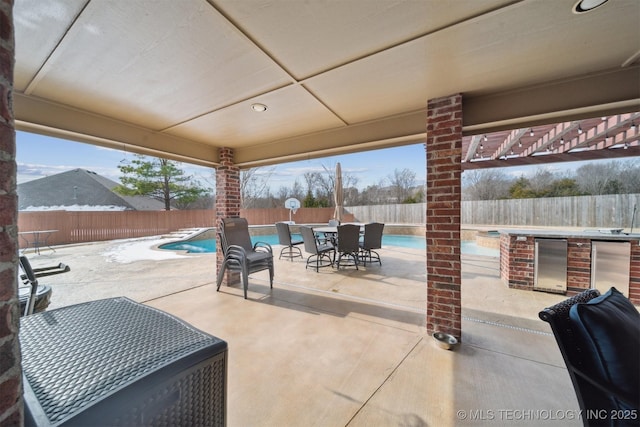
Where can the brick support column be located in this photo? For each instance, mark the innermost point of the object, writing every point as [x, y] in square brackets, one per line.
[517, 262]
[227, 203]
[444, 172]
[11, 406]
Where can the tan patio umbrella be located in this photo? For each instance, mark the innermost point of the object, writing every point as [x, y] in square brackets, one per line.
[337, 193]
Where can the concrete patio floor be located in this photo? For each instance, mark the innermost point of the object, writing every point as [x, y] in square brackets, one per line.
[346, 347]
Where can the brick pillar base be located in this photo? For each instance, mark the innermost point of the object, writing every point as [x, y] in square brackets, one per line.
[227, 203]
[444, 172]
[516, 261]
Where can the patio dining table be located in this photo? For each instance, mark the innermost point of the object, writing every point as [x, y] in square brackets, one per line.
[330, 232]
[334, 229]
[39, 239]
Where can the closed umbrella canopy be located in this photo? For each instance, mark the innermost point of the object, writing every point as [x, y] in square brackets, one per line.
[337, 193]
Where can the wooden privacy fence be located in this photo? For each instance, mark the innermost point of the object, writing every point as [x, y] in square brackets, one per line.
[611, 211]
[607, 211]
[414, 213]
[77, 227]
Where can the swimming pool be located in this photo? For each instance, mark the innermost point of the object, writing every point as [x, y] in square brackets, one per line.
[414, 242]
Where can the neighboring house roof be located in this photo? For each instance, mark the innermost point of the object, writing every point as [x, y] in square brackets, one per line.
[79, 189]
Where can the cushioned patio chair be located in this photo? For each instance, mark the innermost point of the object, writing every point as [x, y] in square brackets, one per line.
[240, 254]
[348, 245]
[322, 254]
[599, 338]
[290, 249]
[371, 240]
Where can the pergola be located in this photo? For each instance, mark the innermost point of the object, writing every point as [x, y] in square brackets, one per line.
[236, 84]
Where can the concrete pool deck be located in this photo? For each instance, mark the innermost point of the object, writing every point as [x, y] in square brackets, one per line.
[345, 347]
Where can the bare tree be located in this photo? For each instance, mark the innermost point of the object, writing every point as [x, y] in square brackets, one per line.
[254, 185]
[402, 182]
[542, 180]
[296, 191]
[349, 183]
[321, 185]
[485, 184]
[310, 180]
[629, 176]
[283, 192]
[327, 183]
[376, 194]
[203, 202]
[598, 178]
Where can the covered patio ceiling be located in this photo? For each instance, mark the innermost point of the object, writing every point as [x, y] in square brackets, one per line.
[178, 79]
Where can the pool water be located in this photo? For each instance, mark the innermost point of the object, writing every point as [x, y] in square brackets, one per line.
[413, 242]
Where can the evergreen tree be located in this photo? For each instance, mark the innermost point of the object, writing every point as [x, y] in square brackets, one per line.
[160, 179]
[309, 201]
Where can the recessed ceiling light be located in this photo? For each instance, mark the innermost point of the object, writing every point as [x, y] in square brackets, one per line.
[259, 107]
[583, 6]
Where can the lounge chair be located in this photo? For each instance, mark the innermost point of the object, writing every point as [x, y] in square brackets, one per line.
[34, 297]
[599, 338]
[348, 244]
[372, 239]
[320, 252]
[290, 249]
[240, 254]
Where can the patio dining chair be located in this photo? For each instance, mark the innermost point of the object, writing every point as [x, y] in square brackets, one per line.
[348, 245]
[321, 253]
[371, 240]
[290, 249]
[240, 254]
[599, 338]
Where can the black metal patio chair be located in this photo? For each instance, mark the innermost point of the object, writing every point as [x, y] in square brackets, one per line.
[290, 249]
[240, 254]
[372, 240]
[599, 338]
[321, 253]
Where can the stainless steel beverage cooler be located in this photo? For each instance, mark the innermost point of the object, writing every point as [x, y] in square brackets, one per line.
[610, 264]
[551, 265]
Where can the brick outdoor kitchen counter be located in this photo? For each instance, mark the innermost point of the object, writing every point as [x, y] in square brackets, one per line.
[571, 261]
